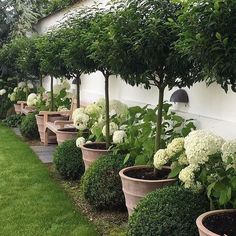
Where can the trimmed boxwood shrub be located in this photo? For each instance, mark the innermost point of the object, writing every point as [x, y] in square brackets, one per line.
[101, 183]
[29, 127]
[68, 160]
[169, 211]
[13, 120]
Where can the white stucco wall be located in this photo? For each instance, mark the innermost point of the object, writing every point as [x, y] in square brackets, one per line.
[212, 108]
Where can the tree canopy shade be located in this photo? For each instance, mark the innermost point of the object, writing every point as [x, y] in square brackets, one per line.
[144, 33]
[208, 37]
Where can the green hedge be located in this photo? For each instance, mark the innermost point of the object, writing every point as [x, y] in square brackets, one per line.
[68, 160]
[101, 183]
[169, 211]
[29, 127]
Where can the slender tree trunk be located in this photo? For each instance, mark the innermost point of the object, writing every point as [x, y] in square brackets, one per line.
[159, 119]
[41, 81]
[52, 98]
[78, 90]
[107, 111]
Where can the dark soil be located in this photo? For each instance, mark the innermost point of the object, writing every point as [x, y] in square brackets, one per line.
[148, 174]
[69, 130]
[97, 146]
[222, 224]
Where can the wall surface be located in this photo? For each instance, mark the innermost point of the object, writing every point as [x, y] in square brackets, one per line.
[212, 108]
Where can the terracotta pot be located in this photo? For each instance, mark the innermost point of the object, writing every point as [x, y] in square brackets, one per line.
[17, 108]
[135, 189]
[91, 153]
[66, 134]
[203, 231]
[40, 122]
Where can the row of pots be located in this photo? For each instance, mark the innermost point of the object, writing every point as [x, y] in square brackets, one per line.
[136, 188]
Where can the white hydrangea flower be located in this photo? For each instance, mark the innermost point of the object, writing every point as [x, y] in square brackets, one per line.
[12, 97]
[118, 108]
[187, 175]
[229, 151]
[76, 112]
[32, 99]
[88, 141]
[183, 160]
[30, 85]
[62, 108]
[113, 128]
[15, 89]
[119, 136]
[81, 121]
[80, 141]
[2, 92]
[25, 90]
[101, 102]
[161, 157]
[176, 146]
[92, 109]
[65, 85]
[21, 84]
[200, 144]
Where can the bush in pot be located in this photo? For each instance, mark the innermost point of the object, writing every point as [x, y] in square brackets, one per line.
[68, 161]
[13, 120]
[169, 211]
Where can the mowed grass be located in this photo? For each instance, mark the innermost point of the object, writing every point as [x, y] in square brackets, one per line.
[32, 203]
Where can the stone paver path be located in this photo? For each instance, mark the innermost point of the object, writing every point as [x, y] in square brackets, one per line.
[45, 153]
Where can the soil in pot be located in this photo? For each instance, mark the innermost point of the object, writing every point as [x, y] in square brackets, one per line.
[72, 130]
[148, 174]
[96, 146]
[222, 224]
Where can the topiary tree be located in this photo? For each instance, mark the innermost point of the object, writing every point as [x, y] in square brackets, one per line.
[101, 184]
[143, 34]
[168, 211]
[208, 38]
[68, 161]
[93, 31]
[51, 63]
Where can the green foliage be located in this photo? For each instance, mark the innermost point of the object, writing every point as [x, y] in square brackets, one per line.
[29, 127]
[68, 161]
[13, 120]
[169, 211]
[5, 105]
[140, 128]
[208, 39]
[101, 183]
[57, 5]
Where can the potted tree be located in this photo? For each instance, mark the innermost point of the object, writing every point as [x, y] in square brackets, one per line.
[144, 34]
[208, 39]
[91, 29]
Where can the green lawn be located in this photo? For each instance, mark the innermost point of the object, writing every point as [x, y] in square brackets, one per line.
[32, 203]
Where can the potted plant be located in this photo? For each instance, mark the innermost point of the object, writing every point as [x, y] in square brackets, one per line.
[90, 27]
[146, 54]
[92, 118]
[138, 129]
[205, 163]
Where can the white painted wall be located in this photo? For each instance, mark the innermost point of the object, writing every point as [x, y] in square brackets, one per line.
[212, 108]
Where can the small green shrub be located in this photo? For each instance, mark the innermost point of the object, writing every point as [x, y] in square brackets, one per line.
[169, 211]
[28, 127]
[101, 183]
[13, 120]
[68, 160]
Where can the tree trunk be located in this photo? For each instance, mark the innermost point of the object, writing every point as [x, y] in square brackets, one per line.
[159, 119]
[52, 98]
[107, 111]
[78, 90]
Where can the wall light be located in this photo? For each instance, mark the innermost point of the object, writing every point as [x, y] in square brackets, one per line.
[179, 96]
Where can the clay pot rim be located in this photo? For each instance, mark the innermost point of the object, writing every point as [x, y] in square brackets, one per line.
[92, 149]
[66, 132]
[202, 217]
[122, 174]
